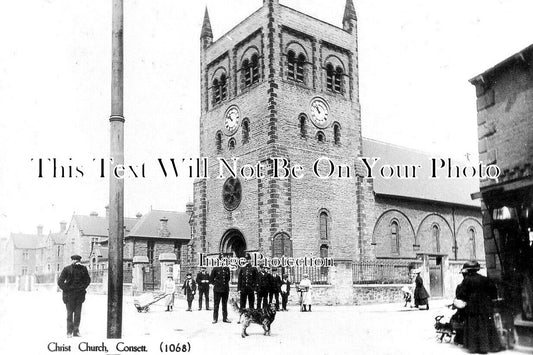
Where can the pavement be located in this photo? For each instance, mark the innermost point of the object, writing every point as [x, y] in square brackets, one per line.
[34, 323]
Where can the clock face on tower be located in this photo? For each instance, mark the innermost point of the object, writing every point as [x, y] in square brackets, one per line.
[231, 120]
[319, 110]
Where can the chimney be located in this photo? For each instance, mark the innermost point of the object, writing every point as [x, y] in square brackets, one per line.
[163, 230]
[40, 229]
[93, 214]
[107, 211]
[139, 215]
[62, 226]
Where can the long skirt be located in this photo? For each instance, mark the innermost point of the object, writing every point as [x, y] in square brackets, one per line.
[480, 335]
[169, 300]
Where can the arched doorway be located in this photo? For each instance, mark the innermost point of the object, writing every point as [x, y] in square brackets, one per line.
[233, 243]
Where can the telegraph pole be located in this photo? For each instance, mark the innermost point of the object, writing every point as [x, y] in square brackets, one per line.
[116, 186]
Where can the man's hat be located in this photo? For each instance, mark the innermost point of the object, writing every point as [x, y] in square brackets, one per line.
[189, 274]
[285, 276]
[220, 256]
[75, 257]
[248, 257]
[204, 268]
[274, 269]
[471, 265]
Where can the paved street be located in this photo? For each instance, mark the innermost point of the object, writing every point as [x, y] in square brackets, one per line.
[30, 321]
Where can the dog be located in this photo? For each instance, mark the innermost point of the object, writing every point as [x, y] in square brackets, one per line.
[264, 317]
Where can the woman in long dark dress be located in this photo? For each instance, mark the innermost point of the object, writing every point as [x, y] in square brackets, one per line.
[421, 295]
[480, 335]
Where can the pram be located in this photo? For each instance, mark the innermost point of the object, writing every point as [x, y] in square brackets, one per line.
[449, 325]
[144, 301]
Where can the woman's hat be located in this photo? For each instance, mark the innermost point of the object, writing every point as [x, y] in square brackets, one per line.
[471, 265]
[417, 270]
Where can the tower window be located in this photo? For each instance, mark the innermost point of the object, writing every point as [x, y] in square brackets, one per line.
[220, 89]
[250, 70]
[337, 133]
[435, 236]
[300, 68]
[245, 131]
[303, 126]
[291, 64]
[281, 246]
[216, 91]
[219, 141]
[334, 78]
[395, 237]
[320, 136]
[324, 225]
[231, 144]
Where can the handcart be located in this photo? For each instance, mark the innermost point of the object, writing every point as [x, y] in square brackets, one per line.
[144, 301]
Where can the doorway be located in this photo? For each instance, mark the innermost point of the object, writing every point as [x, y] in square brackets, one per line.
[233, 243]
[435, 276]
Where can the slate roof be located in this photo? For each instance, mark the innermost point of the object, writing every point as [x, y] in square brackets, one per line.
[27, 241]
[451, 191]
[98, 226]
[150, 224]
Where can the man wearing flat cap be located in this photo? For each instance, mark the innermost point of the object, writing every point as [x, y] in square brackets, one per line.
[73, 281]
[247, 283]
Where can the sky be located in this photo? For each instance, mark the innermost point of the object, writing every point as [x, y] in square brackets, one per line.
[416, 57]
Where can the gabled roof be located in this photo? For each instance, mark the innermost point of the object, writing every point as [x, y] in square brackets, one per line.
[449, 191]
[27, 241]
[58, 238]
[149, 225]
[98, 226]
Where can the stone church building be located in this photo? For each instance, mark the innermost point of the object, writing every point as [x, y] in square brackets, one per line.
[282, 84]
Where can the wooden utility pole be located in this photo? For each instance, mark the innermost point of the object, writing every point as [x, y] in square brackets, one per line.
[116, 186]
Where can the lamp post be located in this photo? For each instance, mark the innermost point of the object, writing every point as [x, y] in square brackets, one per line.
[116, 186]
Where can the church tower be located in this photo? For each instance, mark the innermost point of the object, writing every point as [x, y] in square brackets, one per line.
[281, 84]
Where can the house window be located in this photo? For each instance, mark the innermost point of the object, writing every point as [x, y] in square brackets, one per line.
[24, 270]
[25, 255]
[435, 236]
[337, 133]
[334, 78]
[472, 240]
[150, 251]
[320, 136]
[395, 237]
[58, 250]
[218, 141]
[303, 126]
[245, 131]
[281, 246]
[324, 227]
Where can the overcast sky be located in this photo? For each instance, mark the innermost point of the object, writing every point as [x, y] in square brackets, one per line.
[416, 57]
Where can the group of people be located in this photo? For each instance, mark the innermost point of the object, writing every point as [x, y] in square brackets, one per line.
[257, 287]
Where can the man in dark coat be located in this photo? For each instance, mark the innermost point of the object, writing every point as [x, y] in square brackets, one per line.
[480, 335]
[73, 281]
[189, 290]
[275, 286]
[285, 291]
[202, 281]
[220, 276]
[263, 287]
[247, 283]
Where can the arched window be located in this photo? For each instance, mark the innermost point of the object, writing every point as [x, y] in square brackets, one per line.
[281, 245]
[435, 237]
[320, 136]
[472, 240]
[329, 77]
[324, 252]
[334, 78]
[337, 133]
[395, 237]
[223, 87]
[231, 144]
[300, 68]
[303, 126]
[218, 140]
[291, 65]
[337, 84]
[216, 91]
[246, 72]
[255, 68]
[245, 131]
[324, 225]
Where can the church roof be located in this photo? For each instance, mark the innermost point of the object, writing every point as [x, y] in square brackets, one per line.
[451, 191]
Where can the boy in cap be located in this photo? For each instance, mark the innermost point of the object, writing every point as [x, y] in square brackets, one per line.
[73, 281]
[189, 290]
